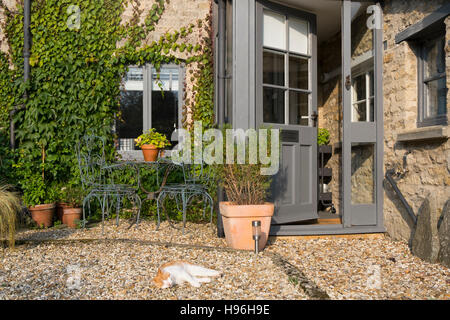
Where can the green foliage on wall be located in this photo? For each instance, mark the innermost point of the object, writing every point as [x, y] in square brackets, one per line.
[76, 76]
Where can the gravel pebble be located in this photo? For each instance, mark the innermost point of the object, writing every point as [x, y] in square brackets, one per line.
[343, 268]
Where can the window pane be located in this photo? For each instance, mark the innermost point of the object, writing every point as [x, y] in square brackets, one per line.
[298, 108]
[165, 102]
[273, 68]
[168, 79]
[363, 173]
[436, 95]
[360, 111]
[274, 34]
[130, 124]
[298, 73]
[359, 88]
[435, 59]
[273, 105]
[298, 36]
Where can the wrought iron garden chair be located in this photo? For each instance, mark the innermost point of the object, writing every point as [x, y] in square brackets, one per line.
[99, 179]
[196, 180]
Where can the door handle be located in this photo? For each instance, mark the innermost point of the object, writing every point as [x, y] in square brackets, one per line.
[314, 117]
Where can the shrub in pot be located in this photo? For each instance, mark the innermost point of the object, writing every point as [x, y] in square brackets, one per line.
[246, 190]
[40, 200]
[72, 197]
[151, 143]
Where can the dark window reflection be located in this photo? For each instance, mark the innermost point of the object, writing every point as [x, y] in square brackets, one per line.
[273, 105]
[273, 68]
[131, 103]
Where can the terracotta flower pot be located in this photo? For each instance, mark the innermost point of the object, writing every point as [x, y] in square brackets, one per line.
[70, 216]
[59, 209]
[43, 214]
[237, 223]
[150, 152]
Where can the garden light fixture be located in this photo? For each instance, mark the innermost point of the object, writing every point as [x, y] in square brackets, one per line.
[256, 226]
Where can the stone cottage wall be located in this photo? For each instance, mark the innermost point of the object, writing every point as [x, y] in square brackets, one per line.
[427, 164]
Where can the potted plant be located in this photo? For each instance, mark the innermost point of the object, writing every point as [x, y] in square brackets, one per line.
[246, 190]
[60, 203]
[73, 201]
[151, 143]
[40, 200]
[323, 139]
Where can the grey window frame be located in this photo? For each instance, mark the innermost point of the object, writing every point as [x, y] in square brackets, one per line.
[422, 46]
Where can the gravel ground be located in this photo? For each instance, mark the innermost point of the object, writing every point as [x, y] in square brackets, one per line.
[366, 268]
[121, 265]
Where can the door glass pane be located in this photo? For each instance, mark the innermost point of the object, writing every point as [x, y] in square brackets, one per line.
[273, 105]
[436, 95]
[359, 88]
[363, 173]
[298, 36]
[298, 73]
[274, 34]
[359, 111]
[130, 123]
[435, 58]
[273, 68]
[298, 108]
[165, 100]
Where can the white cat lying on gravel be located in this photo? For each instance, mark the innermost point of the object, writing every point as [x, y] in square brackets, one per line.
[177, 272]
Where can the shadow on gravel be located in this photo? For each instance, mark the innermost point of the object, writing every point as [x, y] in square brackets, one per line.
[298, 278]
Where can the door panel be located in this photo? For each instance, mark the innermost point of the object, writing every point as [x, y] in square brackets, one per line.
[287, 100]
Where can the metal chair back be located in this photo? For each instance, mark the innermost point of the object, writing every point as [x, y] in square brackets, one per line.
[91, 160]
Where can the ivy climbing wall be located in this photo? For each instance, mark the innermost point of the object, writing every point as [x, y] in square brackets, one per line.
[80, 52]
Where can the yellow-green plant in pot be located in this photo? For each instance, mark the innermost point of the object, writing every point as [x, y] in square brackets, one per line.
[9, 206]
[151, 142]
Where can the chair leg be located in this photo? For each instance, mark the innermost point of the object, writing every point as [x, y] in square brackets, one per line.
[157, 210]
[104, 203]
[204, 206]
[139, 205]
[84, 212]
[183, 197]
[118, 210]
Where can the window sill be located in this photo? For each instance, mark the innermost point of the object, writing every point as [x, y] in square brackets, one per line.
[422, 134]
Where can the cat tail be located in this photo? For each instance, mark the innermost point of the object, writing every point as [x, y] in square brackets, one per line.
[199, 271]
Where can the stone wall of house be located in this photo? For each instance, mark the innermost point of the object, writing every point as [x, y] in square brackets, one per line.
[427, 171]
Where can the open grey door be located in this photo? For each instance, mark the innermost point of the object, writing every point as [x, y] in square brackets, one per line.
[363, 113]
[286, 98]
